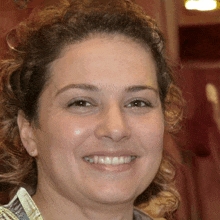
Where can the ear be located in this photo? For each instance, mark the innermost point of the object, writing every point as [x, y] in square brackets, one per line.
[27, 134]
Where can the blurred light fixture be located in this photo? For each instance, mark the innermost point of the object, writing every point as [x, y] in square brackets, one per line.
[201, 5]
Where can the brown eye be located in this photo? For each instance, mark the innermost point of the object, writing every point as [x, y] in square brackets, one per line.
[80, 103]
[139, 104]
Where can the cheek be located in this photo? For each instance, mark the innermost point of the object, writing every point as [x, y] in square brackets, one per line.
[150, 132]
[60, 141]
[149, 135]
[69, 129]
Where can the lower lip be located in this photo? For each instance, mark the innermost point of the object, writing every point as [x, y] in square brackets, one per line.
[112, 168]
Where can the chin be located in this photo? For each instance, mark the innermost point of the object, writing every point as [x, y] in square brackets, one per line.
[117, 195]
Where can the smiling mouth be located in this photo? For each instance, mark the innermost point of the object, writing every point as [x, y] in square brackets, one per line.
[106, 160]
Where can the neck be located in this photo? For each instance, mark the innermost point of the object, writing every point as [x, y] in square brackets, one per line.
[54, 206]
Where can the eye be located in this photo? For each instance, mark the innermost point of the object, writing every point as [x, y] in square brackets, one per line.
[139, 104]
[79, 103]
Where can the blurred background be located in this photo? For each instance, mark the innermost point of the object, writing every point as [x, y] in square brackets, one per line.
[192, 32]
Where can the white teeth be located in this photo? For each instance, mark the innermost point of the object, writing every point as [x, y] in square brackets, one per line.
[121, 160]
[127, 159]
[96, 159]
[101, 160]
[110, 160]
[115, 161]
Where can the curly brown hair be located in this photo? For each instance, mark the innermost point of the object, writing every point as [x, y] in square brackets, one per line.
[22, 4]
[25, 74]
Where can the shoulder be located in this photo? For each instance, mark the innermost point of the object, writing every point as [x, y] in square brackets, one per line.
[140, 215]
[12, 210]
[21, 207]
[6, 214]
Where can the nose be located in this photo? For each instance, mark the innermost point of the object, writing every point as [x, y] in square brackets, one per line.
[113, 125]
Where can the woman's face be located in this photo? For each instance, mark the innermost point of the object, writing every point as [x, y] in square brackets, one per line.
[101, 122]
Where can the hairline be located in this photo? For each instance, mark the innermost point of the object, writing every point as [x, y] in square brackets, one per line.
[65, 46]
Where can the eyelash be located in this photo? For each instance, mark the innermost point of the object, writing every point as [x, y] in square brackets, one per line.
[79, 103]
[136, 104]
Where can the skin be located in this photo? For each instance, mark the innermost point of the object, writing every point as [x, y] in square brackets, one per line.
[121, 114]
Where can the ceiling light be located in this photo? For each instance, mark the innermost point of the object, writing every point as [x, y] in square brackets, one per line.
[201, 5]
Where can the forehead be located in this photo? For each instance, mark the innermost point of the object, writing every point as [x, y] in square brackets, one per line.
[105, 61]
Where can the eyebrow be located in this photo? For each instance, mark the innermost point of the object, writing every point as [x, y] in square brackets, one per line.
[137, 88]
[92, 88]
[79, 86]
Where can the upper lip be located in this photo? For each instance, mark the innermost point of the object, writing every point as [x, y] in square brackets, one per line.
[118, 153]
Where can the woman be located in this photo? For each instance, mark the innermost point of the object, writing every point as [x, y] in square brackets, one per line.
[86, 98]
